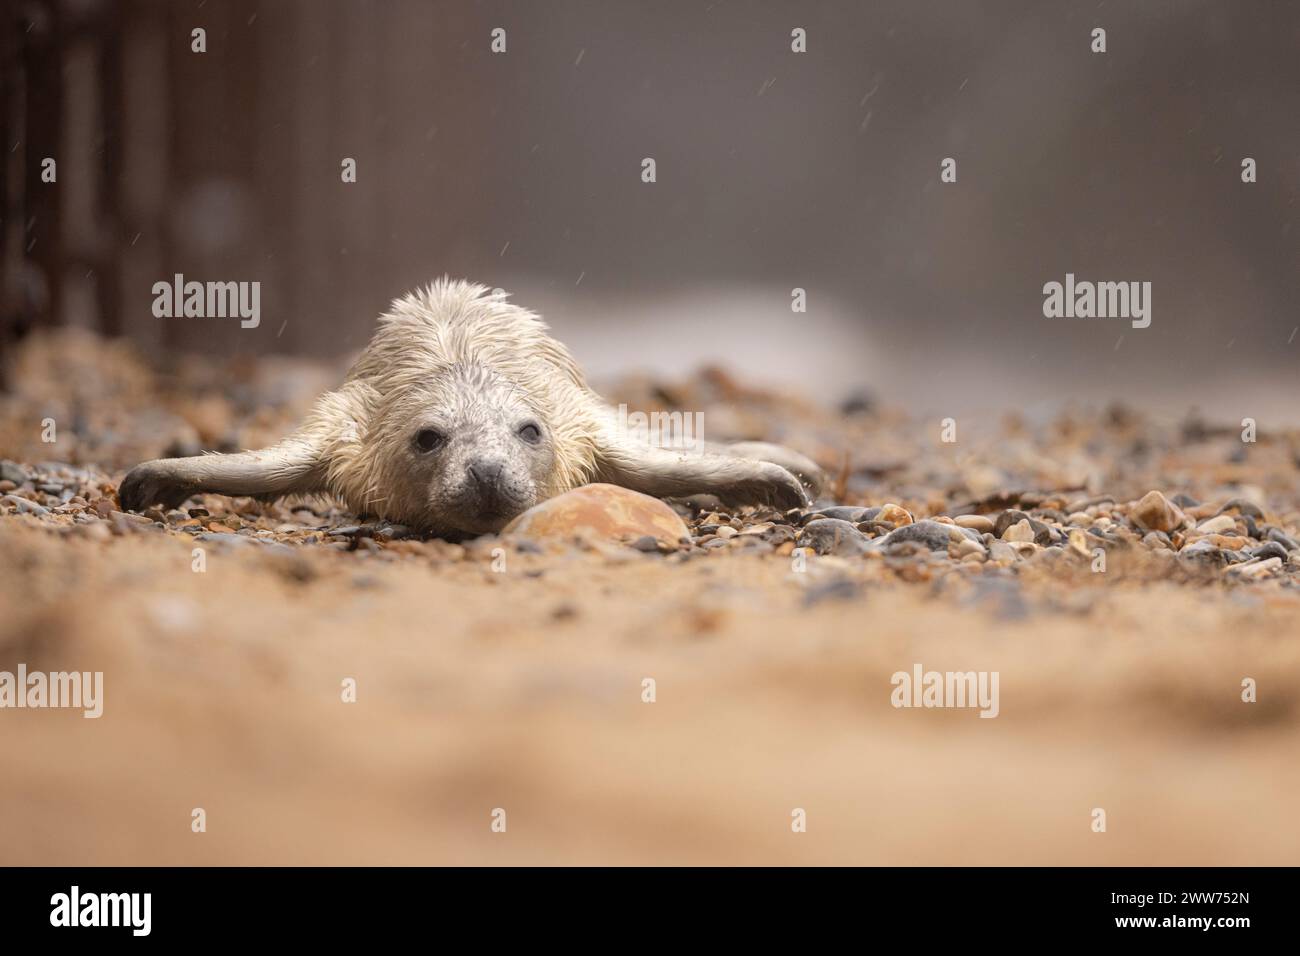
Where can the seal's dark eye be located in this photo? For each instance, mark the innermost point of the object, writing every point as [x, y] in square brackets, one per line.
[429, 439]
[531, 433]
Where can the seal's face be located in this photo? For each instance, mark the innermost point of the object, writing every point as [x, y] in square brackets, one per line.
[476, 453]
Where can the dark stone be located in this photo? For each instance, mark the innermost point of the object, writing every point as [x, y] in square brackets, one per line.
[832, 536]
[843, 513]
[1243, 507]
[1044, 534]
[1270, 549]
[1284, 539]
[1006, 520]
[1203, 551]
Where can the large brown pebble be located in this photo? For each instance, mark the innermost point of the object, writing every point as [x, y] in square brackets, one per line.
[600, 511]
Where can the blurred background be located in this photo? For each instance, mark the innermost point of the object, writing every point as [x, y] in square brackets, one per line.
[775, 170]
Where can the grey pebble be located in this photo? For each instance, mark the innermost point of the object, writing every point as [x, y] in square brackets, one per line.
[832, 536]
[24, 506]
[932, 534]
[1202, 550]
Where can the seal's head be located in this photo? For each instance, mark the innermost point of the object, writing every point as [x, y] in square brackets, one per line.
[467, 414]
[467, 452]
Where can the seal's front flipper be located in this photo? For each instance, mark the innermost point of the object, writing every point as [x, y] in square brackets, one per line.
[292, 467]
[802, 467]
[668, 474]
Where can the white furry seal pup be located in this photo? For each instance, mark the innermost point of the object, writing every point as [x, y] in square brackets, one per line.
[460, 414]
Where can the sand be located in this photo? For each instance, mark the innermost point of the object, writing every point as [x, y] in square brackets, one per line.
[523, 689]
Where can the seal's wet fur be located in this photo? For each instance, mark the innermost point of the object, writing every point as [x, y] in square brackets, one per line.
[461, 413]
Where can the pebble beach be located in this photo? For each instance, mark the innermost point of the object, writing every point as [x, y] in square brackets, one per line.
[1126, 575]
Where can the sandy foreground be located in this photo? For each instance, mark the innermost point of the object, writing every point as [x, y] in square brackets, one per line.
[517, 683]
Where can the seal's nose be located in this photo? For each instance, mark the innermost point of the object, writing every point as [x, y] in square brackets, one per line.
[486, 475]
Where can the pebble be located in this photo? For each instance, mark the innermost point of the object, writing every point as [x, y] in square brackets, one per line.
[1020, 531]
[1154, 512]
[1006, 520]
[1230, 541]
[1203, 549]
[930, 534]
[1242, 507]
[1270, 549]
[606, 512]
[1045, 534]
[1285, 540]
[1257, 569]
[24, 506]
[896, 515]
[832, 536]
[1152, 539]
[1002, 552]
[981, 523]
[843, 513]
[1217, 525]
